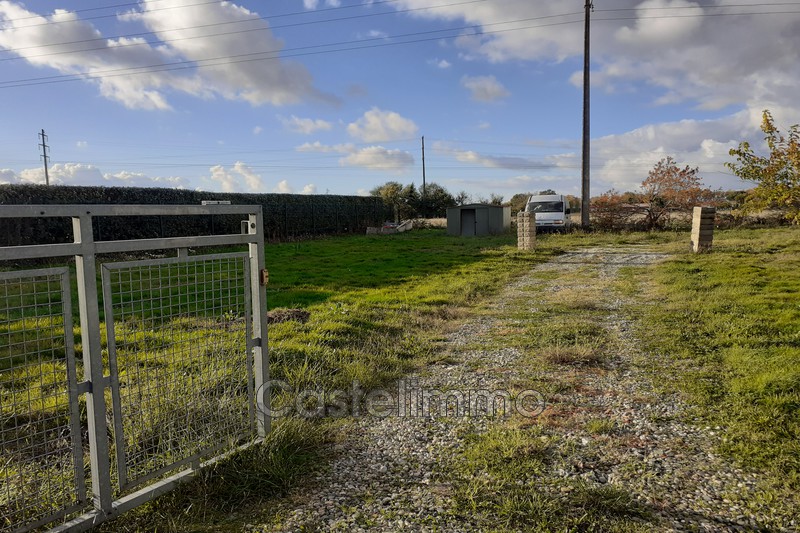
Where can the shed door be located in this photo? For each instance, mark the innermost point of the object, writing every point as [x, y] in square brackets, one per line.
[467, 222]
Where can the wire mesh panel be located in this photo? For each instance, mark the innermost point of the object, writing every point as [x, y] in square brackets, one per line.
[179, 348]
[41, 466]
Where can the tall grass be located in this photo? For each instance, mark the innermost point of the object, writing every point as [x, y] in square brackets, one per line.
[727, 326]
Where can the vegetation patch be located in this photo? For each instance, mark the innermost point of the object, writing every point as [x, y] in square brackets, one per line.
[725, 326]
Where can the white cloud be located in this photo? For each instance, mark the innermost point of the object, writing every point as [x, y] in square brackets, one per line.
[378, 125]
[310, 5]
[306, 126]
[283, 187]
[371, 157]
[309, 189]
[81, 144]
[257, 130]
[484, 88]
[380, 158]
[707, 61]
[625, 159]
[443, 64]
[88, 175]
[362, 192]
[318, 147]
[271, 81]
[240, 178]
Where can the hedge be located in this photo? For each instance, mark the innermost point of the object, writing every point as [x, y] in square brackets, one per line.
[286, 216]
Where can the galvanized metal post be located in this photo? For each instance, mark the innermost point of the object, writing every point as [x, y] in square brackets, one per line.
[93, 362]
[258, 300]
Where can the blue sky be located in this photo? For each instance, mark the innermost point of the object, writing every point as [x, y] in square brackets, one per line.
[316, 96]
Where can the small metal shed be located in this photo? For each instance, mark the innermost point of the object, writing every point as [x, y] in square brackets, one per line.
[478, 219]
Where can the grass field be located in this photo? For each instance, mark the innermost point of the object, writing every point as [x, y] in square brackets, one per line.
[725, 323]
[726, 327]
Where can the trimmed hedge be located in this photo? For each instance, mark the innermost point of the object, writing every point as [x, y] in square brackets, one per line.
[286, 216]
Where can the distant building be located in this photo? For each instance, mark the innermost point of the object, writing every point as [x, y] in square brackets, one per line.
[478, 220]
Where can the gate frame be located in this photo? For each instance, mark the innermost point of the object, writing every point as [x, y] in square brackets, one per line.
[85, 250]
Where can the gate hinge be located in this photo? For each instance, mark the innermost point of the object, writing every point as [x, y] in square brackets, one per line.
[264, 277]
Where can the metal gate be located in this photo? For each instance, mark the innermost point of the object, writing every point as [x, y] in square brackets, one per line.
[171, 357]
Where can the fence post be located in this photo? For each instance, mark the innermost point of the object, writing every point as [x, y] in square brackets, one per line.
[86, 269]
[526, 230]
[702, 228]
[259, 307]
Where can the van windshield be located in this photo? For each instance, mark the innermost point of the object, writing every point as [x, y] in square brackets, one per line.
[546, 207]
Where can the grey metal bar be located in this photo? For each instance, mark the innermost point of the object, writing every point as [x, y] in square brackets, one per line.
[93, 363]
[116, 402]
[173, 260]
[94, 518]
[72, 381]
[259, 306]
[102, 210]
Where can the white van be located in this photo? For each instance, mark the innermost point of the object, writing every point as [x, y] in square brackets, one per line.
[552, 212]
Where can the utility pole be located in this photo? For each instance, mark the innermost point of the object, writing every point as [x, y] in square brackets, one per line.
[585, 190]
[423, 171]
[45, 157]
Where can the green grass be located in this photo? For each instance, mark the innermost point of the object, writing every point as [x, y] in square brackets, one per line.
[498, 484]
[378, 307]
[726, 325]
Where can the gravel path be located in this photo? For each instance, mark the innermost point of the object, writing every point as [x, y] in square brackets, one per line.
[387, 473]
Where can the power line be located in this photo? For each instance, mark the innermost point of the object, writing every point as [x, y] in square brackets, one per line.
[240, 58]
[235, 32]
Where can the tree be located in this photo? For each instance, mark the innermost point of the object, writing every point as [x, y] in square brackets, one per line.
[496, 199]
[401, 200]
[462, 198]
[777, 175]
[548, 191]
[518, 202]
[436, 201]
[668, 189]
[612, 209]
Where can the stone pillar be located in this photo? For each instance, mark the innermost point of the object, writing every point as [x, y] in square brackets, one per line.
[526, 230]
[702, 228]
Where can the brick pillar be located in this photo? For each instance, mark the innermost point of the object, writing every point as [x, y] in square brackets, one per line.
[702, 228]
[526, 231]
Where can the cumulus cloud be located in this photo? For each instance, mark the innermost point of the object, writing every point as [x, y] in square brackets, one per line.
[305, 126]
[378, 125]
[484, 88]
[257, 130]
[283, 187]
[371, 157]
[88, 175]
[187, 38]
[380, 158]
[240, 178]
[309, 189]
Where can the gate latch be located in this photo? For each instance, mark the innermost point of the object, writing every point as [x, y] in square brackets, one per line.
[264, 277]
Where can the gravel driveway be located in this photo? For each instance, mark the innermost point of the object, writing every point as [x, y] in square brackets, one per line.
[391, 474]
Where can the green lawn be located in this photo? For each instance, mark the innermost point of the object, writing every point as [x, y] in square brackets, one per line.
[726, 325]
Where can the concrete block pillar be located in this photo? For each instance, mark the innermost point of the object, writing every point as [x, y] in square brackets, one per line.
[702, 228]
[526, 231]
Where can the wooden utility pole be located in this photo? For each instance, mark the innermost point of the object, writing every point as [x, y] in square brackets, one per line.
[423, 174]
[585, 189]
[45, 157]
[423, 166]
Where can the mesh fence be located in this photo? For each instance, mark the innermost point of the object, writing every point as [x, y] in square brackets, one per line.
[178, 333]
[41, 469]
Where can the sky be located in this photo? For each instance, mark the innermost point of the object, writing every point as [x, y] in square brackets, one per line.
[335, 96]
